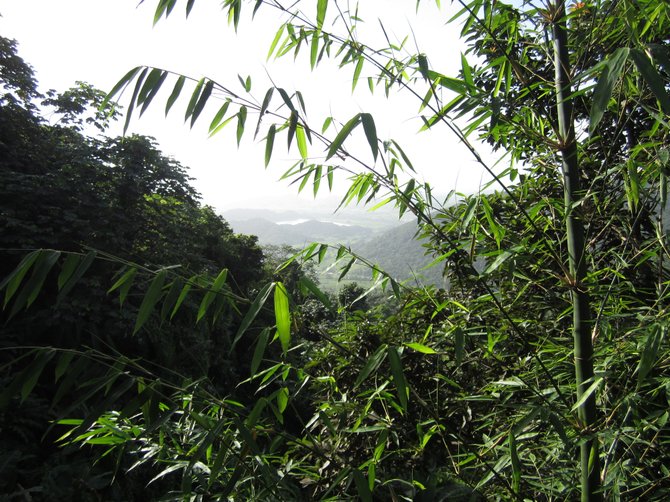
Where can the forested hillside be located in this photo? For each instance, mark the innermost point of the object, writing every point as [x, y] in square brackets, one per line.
[150, 353]
[96, 202]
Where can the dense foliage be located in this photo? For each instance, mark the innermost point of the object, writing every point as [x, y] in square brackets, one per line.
[541, 374]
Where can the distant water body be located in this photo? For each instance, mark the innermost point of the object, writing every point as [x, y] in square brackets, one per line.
[305, 220]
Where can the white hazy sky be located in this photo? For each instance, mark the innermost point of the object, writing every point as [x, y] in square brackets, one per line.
[98, 41]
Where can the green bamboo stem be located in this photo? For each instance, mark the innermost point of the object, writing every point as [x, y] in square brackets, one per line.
[582, 318]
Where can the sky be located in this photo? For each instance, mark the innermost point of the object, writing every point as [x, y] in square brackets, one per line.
[98, 41]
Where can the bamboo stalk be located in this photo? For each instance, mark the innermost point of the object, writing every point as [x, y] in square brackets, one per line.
[582, 317]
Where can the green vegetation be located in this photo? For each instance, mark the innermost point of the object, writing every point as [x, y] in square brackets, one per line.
[540, 374]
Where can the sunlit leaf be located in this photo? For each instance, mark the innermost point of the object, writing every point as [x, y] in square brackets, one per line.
[282, 316]
[302, 141]
[321, 8]
[419, 347]
[282, 399]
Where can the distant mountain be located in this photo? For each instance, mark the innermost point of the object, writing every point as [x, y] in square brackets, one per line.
[381, 219]
[301, 233]
[392, 247]
[397, 252]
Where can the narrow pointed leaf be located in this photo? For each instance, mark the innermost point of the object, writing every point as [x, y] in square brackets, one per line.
[342, 135]
[269, 143]
[253, 311]
[125, 80]
[176, 91]
[209, 297]
[419, 347]
[83, 266]
[150, 299]
[282, 398]
[13, 280]
[652, 77]
[282, 315]
[259, 352]
[398, 377]
[241, 120]
[194, 99]
[218, 118]
[202, 101]
[370, 133]
[603, 90]
[302, 141]
[133, 98]
[321, 8]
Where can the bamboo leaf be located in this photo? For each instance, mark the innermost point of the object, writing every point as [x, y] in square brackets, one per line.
[362, 486]
[123, 284]
[171, 297]
[202, 101]
[133, 98]
[189, 7]
[302, 141]
[194, 99]
[459, 344]
[292, 127]
[282, 315]
[282, 396]
[123, 83]
[264, 109]
[81, 269]
[218, 118]
[261, 344]
[28, 294]
[342, 135]
[516, 464]
[269, 143]
[209, 297]
[652, 77]
[253, 311]
[419, 347]
[241, 119]
[314, 50]
[13, 281]
[176, 91]
[592, 388]
[370, 133]
[398, 377]
[371, 364]
[603, 90]
[357, 72]
[67, 269]
[182, 296]
[275, 41]
[321, 8]
[150, 299]
[309, 285]
[649, 354]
